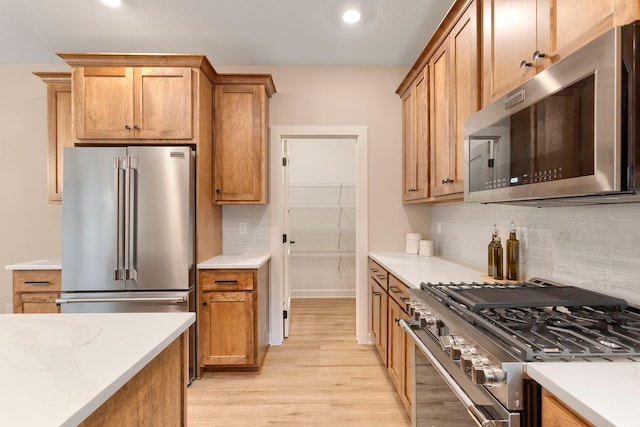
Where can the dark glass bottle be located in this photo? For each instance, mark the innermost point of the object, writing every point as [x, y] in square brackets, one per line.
[497, 259]
[490, 263]
[513, 255]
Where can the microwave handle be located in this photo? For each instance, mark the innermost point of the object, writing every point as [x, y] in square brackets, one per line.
[472, 408]
[514, 99]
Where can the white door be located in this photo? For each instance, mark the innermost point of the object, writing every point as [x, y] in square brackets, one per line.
[286, 300]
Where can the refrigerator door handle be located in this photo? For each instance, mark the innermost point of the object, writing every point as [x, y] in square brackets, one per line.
[176, 300]
[129, 232]
[117, 244]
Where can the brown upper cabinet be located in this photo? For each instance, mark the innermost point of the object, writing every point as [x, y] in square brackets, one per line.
[241, 120]
[440, 92]
[455, 96]
[132, 102]
[523, 37]
[58, 128]
[415, 134]
[146, 98]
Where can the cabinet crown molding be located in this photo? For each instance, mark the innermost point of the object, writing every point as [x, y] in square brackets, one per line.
[102, 59]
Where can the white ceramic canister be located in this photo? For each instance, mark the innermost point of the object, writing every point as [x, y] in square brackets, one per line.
[426, 248]
[413, 243]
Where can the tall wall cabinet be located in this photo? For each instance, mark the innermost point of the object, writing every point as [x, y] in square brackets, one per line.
[59, 133]
[440, 91]
[241, 118]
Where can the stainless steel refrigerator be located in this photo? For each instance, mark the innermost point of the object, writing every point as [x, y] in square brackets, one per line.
[128, 231]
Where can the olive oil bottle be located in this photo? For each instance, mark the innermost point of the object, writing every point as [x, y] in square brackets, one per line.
[513, 254]
[490, 262]
[497, 259]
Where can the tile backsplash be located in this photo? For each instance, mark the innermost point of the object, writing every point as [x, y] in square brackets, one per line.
[594, 247]
[246, 229]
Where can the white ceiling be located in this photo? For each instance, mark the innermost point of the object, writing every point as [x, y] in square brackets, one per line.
[229, 32]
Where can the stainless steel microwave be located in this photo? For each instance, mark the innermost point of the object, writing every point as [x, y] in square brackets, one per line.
[567, 136]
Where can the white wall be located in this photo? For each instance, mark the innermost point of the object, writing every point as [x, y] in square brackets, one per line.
[320, 96]
[30, 228]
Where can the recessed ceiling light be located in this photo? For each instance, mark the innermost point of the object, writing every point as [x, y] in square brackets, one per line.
[111, 3]
[351, 16]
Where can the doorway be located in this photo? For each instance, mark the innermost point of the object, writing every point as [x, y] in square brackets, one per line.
[321, 216]
[319, 221]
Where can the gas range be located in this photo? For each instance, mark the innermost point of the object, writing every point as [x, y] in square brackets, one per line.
[480, 335]
[540, 320]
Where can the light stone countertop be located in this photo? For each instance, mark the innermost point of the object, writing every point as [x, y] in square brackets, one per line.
[57, 369]
[605, 393]
[234, 262]
[39, 264]
[414, 269]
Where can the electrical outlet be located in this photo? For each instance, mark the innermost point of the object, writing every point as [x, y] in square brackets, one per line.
[242, 228]
[438, 228]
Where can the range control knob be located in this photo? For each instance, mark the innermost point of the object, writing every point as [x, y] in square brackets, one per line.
[462, 349]
[467, 361]
[426, 319]
[447, 342]
[488, 375]
[421, 312]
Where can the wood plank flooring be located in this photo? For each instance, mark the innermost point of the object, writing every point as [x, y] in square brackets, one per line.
[319, 377]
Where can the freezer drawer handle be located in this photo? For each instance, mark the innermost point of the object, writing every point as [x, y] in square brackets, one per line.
[176, 300]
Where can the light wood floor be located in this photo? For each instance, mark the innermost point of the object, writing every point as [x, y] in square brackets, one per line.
[319, 377]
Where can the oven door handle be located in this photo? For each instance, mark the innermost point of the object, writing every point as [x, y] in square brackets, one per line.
[472, 408]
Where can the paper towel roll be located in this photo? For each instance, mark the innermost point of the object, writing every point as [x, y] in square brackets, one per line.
[426, 248]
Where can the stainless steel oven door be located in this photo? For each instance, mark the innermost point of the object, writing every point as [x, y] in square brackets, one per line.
[444, 396]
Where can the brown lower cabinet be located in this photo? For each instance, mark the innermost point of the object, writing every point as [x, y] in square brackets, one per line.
[35, 291]
[387, 297]
[233, 317]
[556, 414]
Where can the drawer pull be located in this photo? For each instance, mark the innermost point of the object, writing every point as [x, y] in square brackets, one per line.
[37, 283]
[226, 282]
[394, 289]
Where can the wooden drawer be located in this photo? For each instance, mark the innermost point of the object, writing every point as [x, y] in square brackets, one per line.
[398, 291]
[37, 280]
[226, 280]
[378, 274]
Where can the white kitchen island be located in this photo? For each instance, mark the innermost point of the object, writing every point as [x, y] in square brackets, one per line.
[71, 369]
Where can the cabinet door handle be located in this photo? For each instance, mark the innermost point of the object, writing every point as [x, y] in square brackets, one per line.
[537, 55]
[377, 294]
[447, 181]
[394, 289]
[135, 127]
[127, 127]
[226, 282]
[524, 64]
[37, 283]
[204, 303]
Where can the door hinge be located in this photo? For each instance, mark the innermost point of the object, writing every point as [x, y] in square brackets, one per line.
[284, 238]
[284, 161]
[285, 314]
